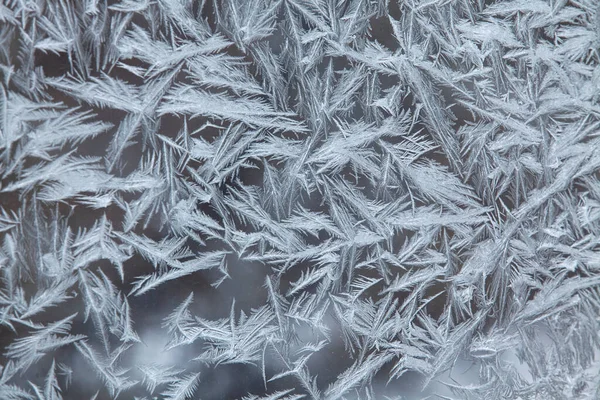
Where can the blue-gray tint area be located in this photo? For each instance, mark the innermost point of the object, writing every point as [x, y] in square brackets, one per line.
[299, 199]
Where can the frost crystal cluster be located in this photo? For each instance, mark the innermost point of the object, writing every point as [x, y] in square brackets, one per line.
[299, 199]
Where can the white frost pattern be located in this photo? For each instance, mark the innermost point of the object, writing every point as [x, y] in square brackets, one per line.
[299, 199]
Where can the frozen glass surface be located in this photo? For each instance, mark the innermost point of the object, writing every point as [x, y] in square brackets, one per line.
[299, 199]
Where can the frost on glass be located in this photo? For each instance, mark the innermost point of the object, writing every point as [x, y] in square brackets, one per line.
[299, 199]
